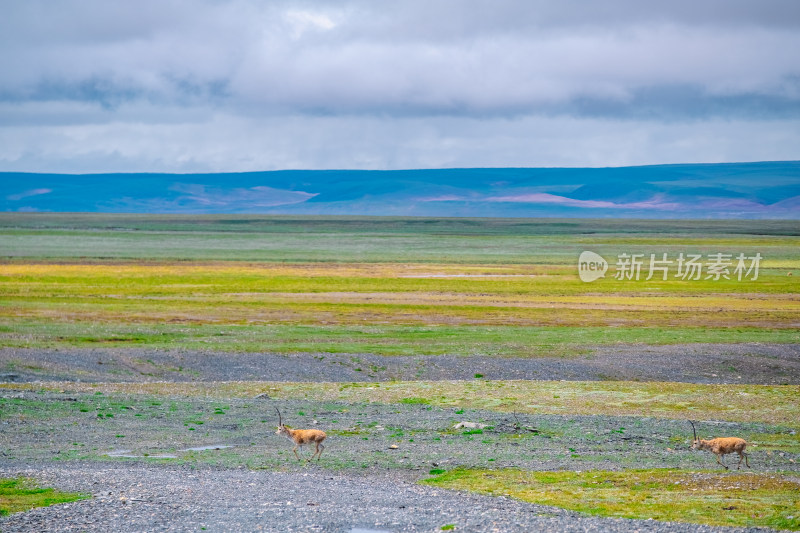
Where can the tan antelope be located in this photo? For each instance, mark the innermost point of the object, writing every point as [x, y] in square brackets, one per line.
[722, 446]
[301, 437]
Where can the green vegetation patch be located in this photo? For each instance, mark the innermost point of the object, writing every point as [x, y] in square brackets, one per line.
[383, 339]
[750, 500]
[772, 404]
[103, 236]
[21, 494]
[784, 442]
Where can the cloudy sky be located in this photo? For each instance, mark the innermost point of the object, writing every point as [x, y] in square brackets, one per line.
[205, 86]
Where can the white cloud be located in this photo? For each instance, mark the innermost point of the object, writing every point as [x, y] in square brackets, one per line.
[304, 21]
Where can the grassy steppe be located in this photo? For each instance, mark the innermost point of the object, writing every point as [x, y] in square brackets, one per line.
[406, 286]
[383, 285]
[383, 308]
[454, 286]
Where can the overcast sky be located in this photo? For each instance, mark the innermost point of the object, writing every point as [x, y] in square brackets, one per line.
[196, 86]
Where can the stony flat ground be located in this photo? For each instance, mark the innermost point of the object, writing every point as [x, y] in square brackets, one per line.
[156, 498]
[361, 485]
[769, 364]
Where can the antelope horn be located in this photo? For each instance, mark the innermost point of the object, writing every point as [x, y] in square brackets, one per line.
[280, 420]
[693, 430]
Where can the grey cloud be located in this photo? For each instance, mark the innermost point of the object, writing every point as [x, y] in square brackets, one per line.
[192, 85]
[353, 58]
[110, 93]
[233, 143]
[460, 20]
[684, 102]
[508, 77]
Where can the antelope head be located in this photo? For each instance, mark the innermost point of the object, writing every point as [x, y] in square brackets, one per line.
[282, 430]
[696, 441]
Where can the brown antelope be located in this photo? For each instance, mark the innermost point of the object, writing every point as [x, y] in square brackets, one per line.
[301, 437]
[722, 446]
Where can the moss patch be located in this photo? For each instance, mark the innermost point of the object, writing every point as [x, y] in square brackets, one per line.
[22, 494]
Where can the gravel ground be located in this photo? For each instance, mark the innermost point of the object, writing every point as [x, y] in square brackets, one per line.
[146, 498]
[362, 486]
[771, 364]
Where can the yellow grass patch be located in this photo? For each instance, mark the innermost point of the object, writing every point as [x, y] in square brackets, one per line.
[677, 496]
[531, 295]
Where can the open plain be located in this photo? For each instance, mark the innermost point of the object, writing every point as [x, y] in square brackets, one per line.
[141, 358]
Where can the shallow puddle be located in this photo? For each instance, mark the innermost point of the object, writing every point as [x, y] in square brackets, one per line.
[129, 454]
[204, 448]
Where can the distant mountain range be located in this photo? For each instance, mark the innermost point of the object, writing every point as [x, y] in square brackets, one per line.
[729, 190]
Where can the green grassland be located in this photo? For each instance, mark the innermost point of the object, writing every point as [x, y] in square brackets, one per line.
[743, 500]
[375, 239]
[374, 224]
[505, 341]
[22, 494]
[773, 404]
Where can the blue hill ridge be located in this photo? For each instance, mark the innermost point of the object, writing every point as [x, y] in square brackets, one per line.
[724, 190]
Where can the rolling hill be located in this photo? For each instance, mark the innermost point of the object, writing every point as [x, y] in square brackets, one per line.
[729, 190]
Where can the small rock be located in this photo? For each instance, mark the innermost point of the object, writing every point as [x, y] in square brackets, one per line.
[470, 425]
[393, 447]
